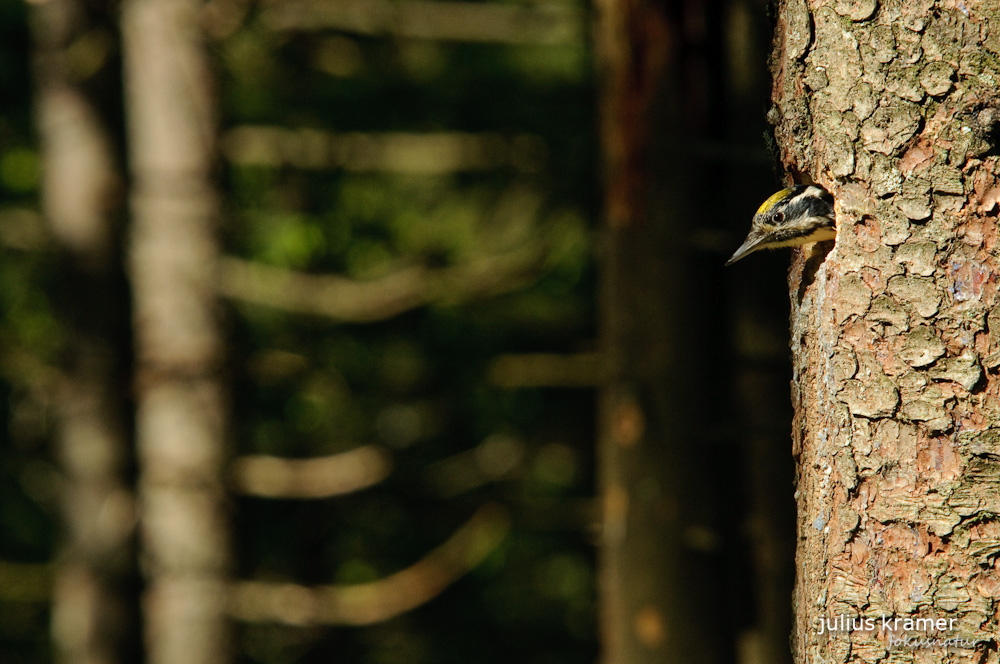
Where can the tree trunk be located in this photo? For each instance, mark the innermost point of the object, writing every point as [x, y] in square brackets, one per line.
[896, 334]
[664, 576]
[96, 578]
[180, 416]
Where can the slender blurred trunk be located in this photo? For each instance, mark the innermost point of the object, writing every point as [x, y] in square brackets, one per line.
[896, 334]
[94, 617]
[180, 414]
[665, 477]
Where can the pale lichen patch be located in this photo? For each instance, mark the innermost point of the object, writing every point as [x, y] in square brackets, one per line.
[875, 397]
[979, 491]
[843, 365]
[918, 257]
[964, 370]
[921, 347]
[901, 82]
[884, 309]
[884, 177]
[937, 78]
[856, 297]
[890, 126]
[895, 227]
[914, 199]
[856, 10]
[980, 443]
[915, 206]
[919, 292]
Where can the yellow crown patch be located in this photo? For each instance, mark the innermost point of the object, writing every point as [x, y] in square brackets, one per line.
[774, 200]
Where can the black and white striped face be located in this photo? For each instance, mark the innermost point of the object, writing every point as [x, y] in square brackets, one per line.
[794, 216]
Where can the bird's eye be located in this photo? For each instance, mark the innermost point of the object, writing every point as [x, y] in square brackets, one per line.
[779, 217]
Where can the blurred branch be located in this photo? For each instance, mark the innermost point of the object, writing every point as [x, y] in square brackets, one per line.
[499, 456]
[548, 370]
[438, 20]
[25, 582]
[322, 477]
[367, 603]
[423, 153]
[365, 301]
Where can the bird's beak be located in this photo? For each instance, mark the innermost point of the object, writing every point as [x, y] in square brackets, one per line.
[751, 244]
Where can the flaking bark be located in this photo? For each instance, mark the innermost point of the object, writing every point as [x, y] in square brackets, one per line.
[895, 335]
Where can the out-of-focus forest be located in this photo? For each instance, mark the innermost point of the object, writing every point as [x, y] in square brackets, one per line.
[414, 281]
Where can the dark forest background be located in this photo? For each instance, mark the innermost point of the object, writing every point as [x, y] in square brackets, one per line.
[416, 282]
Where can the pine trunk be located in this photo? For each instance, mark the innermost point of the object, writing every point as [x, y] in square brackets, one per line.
[664, 479]
[896, 333]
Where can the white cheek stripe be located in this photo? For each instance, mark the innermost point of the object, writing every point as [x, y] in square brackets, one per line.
[817, 235]
[810, 191]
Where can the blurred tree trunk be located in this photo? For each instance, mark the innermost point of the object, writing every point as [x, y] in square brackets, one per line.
[896, 336]
[94, 616]
[180, 416]
[666, 591]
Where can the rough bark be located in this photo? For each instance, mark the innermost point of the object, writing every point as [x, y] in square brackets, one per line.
[895, 335]
[180, 413]
[94, 612]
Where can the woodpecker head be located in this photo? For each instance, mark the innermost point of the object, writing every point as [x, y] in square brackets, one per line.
[793, 216]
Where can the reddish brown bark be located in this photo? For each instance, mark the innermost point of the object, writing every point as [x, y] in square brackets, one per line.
[892, 106]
